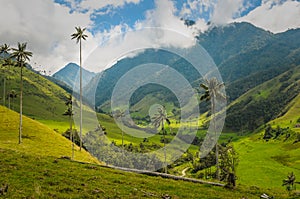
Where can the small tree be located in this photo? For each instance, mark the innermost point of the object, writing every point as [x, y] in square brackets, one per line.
[290, 182]
[268, 133]
[69, 112]
[228, 164]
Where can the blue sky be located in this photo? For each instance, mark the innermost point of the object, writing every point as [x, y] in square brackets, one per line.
[109, 15]
[114, 26]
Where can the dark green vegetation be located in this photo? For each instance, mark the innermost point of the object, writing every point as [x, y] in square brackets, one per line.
[265, 102]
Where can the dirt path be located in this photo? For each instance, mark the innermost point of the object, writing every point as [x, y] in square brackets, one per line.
[184, 170]
[164, 175]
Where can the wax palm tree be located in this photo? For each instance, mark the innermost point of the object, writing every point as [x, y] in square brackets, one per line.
[69, 112]
[213, 92]
[79, 35]
[4, 51]
[21, 56]
[159, 121]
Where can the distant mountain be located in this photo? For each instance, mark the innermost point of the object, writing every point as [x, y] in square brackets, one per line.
[225, 42]
[246, 56]
[69, 74]
[109, 77]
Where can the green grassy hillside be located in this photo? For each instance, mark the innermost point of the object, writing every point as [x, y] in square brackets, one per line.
[42, 99]
[38, 139]
[264, 103]
[34, 169]
[291, 117]
[266, 164]
[47, 177]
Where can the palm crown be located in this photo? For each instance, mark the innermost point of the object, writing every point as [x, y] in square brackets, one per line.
[21, 54]
[160, 117]
[4, 48]
[79, 34]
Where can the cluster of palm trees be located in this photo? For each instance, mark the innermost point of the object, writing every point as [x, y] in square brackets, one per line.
[18, 58]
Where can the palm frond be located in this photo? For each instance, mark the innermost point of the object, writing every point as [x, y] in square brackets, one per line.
[20, 54]
[79, 34]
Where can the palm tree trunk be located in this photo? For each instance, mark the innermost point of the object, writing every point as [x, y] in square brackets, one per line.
[122, 143]
[217, 150]
[165, 153]
[122, 133]
[80, 97]
[72, 137]
[21, 105]
[4, 91]
[9, 101]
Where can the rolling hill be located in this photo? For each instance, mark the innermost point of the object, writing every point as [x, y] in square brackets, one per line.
[38, 139]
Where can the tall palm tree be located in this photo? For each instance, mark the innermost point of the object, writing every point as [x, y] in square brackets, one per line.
[4, 51]
[213, 92]
[69, 112]
[159, 121]
[21, 56]
[79, 35]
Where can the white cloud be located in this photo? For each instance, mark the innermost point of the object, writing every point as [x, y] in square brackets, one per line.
[92, 5]
[275, 16]
[218, 12]
[161, 28]
[46, 29]
[225, 10]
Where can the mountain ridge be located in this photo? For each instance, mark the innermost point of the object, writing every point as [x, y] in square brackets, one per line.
[246, 56]
[70, 73]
